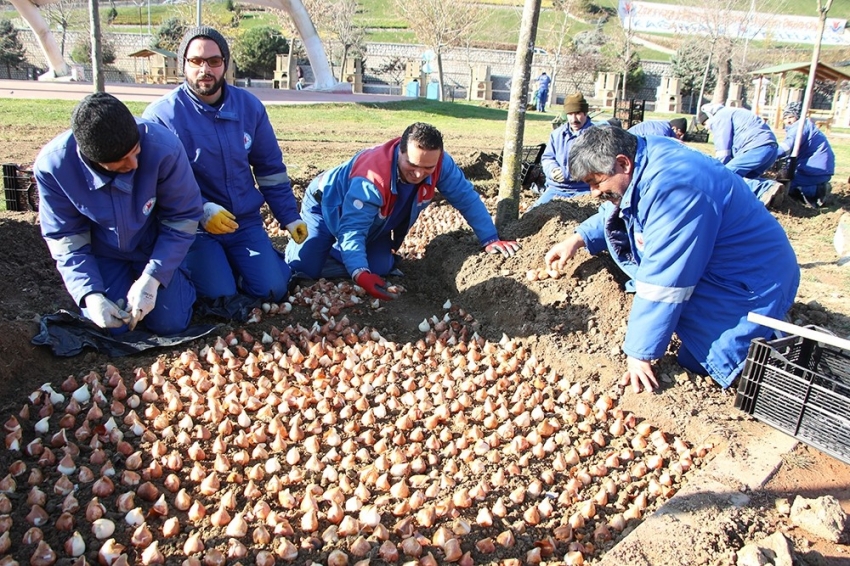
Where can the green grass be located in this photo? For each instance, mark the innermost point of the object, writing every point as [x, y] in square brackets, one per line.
[466, 126]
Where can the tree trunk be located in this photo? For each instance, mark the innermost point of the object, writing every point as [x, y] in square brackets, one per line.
[96, 48]
[724, 70]
[507, 207]
[440, 77]
[342, 64]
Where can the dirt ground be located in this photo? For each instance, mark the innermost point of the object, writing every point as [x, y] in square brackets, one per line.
[572, 325]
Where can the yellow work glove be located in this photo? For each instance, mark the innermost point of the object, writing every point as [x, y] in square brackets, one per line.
[218, 220]
[298, 231]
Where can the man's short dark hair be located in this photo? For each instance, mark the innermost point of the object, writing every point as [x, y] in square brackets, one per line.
[104, 128]
[425, 135]
[680, 124]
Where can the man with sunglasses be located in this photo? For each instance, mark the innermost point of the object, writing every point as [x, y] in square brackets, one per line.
[230, 143]
[701, 251]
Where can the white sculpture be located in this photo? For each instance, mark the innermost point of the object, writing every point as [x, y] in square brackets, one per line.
[324, 79]
[28, 9]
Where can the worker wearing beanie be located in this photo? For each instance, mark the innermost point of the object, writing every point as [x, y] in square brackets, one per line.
[556, 155]
[669, 129]
[119, 207]
[815, 160]
[231, 143]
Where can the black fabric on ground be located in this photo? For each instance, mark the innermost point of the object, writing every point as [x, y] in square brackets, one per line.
[68, 334]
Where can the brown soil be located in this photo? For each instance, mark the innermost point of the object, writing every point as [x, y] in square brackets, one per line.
[572, 325]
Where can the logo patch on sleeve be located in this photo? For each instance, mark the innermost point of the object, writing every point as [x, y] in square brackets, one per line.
[247, 140]
[148, 207]
[358, 204]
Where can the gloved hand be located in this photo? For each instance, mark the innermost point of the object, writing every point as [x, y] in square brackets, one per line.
[104, 312]
[141, 298]
[373, 284]
[298, 231]
[506, 247]
[557, 175]
[218, 220]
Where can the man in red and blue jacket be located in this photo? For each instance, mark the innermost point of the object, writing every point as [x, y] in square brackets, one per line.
[359, 213]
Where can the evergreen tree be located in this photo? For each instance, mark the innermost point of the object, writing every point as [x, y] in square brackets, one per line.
[81, 53]
[255, 52]
[12, 52]
[169, 34]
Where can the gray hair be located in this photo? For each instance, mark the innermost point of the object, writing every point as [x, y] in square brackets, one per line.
[596, 151]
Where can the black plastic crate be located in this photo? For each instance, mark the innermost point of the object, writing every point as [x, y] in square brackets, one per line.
[801, 387]
[19, 188]
[530, 170]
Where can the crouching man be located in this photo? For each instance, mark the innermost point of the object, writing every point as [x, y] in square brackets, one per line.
[701, 251]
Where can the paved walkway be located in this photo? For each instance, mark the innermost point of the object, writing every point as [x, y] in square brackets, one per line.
[131, 92]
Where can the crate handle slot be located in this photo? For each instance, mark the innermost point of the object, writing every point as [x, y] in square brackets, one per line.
[809, 333]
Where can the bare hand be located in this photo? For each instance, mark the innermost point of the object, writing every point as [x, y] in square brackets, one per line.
[560, 253]
[640, 375]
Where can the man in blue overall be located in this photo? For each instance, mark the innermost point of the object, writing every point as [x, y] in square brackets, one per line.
[543, 82]
[742, 141]
[675, 128]
[559, 182]
[233, 150]
[815, 160]
[701, 251]
[119, 208]
[359, 213]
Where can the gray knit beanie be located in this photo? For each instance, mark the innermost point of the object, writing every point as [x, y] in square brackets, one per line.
[793, 110]
[104, 128]
[209, 33]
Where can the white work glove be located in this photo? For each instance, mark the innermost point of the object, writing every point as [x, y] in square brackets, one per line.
[557, 175]
[141, 298]
[218, 220]
[298, 231]
[104, 312]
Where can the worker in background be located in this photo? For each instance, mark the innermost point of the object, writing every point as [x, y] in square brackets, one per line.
[674, 128]
[743, 142]
[559, 182]
[815, 160]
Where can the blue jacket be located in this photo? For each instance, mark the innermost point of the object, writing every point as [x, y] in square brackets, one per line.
[557, 154]
[653, 128]
[358, 197]
[816, 160]
[147, 215]
[543, 82]
[736, 131]
[228, 147]
[702, 252]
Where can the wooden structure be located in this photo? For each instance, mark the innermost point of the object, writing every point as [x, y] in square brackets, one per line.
[667, 97]
[353, 74]
[823, 72]
[158, 66]
[285, 73]
[482, 84]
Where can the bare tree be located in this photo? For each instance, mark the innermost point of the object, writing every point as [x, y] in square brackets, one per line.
[394, 68]
[440, 24]
[64, 14]
[337, 18]
[560, 28]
